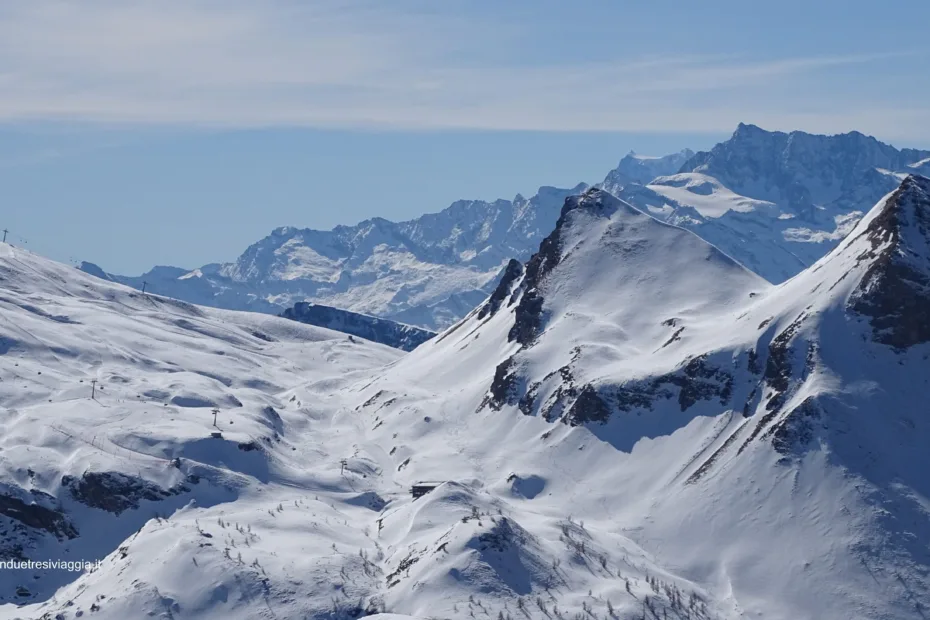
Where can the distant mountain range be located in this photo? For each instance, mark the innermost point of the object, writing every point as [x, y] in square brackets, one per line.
[429, 271]
[776, 202]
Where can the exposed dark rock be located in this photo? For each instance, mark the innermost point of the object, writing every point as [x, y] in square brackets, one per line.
[373, 399]
[796, 429]
[528, 314]
[528, 401]
[36, 516]
[262, 336]
[778, 366]
[636, 395]
[503, 387]
[761, 423]
[707, 464]
[527, 319]
[512, 273]
[747, 406]
[895, 291]
[272, 419]
[588, 407]
[579, 404]
[116, 492]
[384, 331]
[394, 578]
[702, 382]
[697, 380]
[675, 336]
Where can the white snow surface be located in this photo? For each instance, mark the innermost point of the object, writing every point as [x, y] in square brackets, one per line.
[832, 524]
[705, 194]
[707, 490]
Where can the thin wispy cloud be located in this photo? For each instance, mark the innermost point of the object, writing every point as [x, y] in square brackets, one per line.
[405, 65]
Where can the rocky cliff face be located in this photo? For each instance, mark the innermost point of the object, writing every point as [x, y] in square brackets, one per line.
[895, 291]
[383, 331]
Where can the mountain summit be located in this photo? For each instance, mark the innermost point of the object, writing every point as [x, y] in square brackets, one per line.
[800, 170]
[895, 243]
[776, 202]
[742, 430]
[641, 169]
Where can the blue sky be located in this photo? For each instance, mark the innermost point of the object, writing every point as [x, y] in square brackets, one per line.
[135, 133]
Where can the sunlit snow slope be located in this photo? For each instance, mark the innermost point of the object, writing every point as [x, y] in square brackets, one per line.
[632, 425]
[765, 443]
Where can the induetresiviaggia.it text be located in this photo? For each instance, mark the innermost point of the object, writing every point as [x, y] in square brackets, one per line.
[74, 566]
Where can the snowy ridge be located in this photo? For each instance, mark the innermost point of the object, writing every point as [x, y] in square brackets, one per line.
[631, 424]
[383, 331]
[766, 438]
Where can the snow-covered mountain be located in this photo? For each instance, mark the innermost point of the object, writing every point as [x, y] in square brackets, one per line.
[84, 479]
[777, 202]
[383, 331]
[641, 169]
[631, 425]
[428, 272]
[763, 445]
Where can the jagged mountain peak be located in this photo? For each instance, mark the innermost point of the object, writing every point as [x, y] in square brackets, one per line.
[744, 130]
[598, 201]
[894, 242]
[428, 271]
[903, 220]
[775, 162]
[528, 318]
[626, 332]
[634, 168]
[603, 259]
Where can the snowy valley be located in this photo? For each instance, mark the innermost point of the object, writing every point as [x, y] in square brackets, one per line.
[629, 424]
